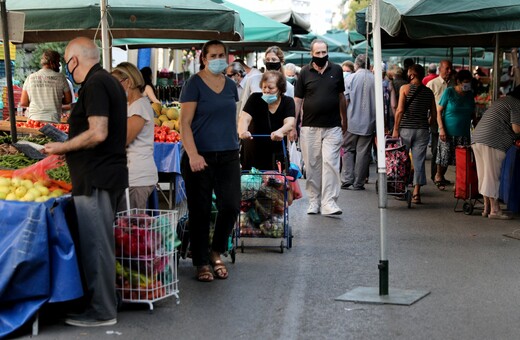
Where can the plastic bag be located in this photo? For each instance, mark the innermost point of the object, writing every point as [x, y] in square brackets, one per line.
[250, 184]
[295, 155]
[38, 171]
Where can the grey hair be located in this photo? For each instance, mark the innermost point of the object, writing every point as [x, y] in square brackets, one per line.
[362, 61]
[290, 67]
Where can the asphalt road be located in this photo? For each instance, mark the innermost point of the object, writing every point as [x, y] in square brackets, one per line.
[466, 263]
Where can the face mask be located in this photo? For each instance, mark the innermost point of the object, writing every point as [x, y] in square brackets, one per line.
[275, 66]
[291, 80]
[269, 98]
[217, 66]
[346, 74]
[320, 62]
[70, 75]
[466, 87]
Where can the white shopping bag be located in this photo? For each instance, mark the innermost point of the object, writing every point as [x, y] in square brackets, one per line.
[295, 155]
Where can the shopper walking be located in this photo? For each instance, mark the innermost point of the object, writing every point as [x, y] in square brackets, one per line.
[438, 85]
[96, 156]
[413, 117]
[211, 161]
[319, 90]
[361, 124]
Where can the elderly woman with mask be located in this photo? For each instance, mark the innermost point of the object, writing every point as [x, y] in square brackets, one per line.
[271, 113]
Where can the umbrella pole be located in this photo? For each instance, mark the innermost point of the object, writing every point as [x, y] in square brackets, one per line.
[105, 39]
[371, 294]
[8, 70]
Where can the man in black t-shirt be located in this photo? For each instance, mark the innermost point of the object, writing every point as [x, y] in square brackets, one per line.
[320, 88]
[96, 156]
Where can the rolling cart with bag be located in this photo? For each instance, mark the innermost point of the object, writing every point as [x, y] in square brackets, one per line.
[398, 170]
[466, 180]
[264, 208]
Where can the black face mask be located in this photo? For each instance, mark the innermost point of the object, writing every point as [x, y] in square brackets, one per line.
[320, 62]
[273, 66]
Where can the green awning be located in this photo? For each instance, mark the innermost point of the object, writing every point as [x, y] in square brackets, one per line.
[448, 22]
[441, 52]
[258, 31]
[303, 41]
[184, 19]
[302, 58]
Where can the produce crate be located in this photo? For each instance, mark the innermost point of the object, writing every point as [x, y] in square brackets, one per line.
[146, 269]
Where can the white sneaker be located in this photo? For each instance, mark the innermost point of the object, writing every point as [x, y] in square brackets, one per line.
[313, 209]
[331, 210]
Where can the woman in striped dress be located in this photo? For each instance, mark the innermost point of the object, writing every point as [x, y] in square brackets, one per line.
[415, 110]
[494, 135]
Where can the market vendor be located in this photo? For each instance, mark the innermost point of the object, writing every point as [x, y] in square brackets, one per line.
[45, 91]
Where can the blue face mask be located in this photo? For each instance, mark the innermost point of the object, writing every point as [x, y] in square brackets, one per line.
[217, 66]
[291, 80]
[269, 98]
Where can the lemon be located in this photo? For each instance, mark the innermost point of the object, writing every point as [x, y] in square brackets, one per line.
[20, 191]
[35, 192]
[27, 183]
[4, 181]
[11, 197]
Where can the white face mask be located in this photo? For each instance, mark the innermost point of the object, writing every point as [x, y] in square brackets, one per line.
[466, 87]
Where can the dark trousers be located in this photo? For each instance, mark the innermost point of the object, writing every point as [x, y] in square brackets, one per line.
[222, 177]
[95, 217]
[434, 143]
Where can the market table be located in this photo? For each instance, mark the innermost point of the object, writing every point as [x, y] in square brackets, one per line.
[38, 261]
[167, 158]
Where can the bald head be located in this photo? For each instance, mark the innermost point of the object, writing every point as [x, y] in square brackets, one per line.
[84, 49]
[81, 54]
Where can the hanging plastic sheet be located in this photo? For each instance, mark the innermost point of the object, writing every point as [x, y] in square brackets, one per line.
[37, 260]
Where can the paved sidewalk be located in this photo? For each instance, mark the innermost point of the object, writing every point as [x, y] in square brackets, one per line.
[469, 267]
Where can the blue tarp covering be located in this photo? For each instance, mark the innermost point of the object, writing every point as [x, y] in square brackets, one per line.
[167, 157]
[37, 260]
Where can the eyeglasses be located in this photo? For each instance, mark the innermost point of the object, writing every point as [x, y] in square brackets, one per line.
[122, 80]
[231, 75]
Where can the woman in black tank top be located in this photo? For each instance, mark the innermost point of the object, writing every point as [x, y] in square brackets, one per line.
[415, 111]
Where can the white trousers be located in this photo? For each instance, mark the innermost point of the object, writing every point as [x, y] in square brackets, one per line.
[321, 155]
[489, 167]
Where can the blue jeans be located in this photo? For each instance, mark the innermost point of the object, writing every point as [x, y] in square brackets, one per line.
[222, 177]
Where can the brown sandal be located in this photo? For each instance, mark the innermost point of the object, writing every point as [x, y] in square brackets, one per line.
[204, 274]
[220, 270]
[416, 199]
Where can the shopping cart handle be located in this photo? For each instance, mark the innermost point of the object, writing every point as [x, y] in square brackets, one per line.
[264, 136]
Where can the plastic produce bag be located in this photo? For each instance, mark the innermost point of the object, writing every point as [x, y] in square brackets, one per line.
[295, 155]
[38, 171]
[250, 184]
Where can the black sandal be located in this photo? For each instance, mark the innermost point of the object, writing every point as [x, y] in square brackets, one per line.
[440, 185]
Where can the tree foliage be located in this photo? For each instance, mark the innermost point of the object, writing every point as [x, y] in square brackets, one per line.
[40, 48]
[349, 20]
